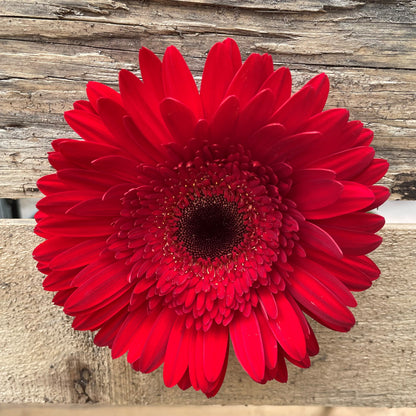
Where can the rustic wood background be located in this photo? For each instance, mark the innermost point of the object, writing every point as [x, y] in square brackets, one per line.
[50, 49]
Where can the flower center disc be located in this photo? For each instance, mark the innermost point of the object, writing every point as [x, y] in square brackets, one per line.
[211, 227]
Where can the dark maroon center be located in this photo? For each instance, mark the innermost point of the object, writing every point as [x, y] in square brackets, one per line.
[211, 227]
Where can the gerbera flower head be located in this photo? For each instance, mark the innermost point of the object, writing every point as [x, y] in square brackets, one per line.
[186, 218]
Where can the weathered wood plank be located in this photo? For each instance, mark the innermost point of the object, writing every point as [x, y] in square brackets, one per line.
[44, 361]
[49, 50]
[104, 7]
[377, 34]
[214, 410]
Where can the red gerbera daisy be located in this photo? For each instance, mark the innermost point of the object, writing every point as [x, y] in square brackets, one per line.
[186, 218]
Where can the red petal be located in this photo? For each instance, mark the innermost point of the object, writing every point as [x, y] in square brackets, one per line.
[116, 192]
[142, 285]
[94, 267]
[98, 289]
[192, 369]
[267, 302]
[113, 116]
[177, 353]
[354, 197]
[50, 248]
[381, 195]
[328, 280]
[78, 255]
[251, 75]
[59, 280]
[151, 71]
[353, 243]
[185, 382]
[348, 163]
[73, 227]
[319, 300]
[127, 331]
[83, 105]
[83, 153]
[215, 347]
[357, 221]
[348, 136]
[353, 276]
[143, 109]
[295, 110]
[60, 202]
[201, 132]
[39, 216]
[280, 82]
[269, 342]
[93, 320]
[155, 347]
[314, 236]
[320, 84]
[50, 184]
[314, 189]
[248, 345]
[58, 161]
[281, 369]
[141, 334]
[196, 363]
[365, 264]
[96, 208]
[296, 149]
[287, 329]
[148, 152]
[223, 61]
[60, 298]
[373, 173]
[311, 343]
[354, 232]
[119, 166]
[108, 331]
[215, 387]
[95, 91]
[179, 119]
[332, 124]
[225, 118]
[365, 138]
[305, 363]
[87, 179]
[178, 81]
[88, 126]
[264, 139]
[254, 115]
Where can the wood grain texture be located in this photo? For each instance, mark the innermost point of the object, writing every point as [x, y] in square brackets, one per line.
[214, 410]
[43, 360]
[49, 50]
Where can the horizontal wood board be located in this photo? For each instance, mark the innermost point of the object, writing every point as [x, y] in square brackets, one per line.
[50, 49]
[43, 360]
[215, 410]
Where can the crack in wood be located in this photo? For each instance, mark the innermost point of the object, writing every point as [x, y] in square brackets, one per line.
[101, 8]
[283, 6]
